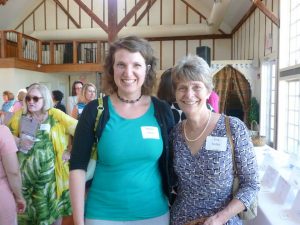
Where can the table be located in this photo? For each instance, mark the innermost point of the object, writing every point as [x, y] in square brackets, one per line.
[271, 209]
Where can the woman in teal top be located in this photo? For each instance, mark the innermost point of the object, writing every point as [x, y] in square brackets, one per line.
[131, 182]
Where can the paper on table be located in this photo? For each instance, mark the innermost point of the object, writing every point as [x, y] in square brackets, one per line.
[270, 177]
[282, 190]
[296, 206]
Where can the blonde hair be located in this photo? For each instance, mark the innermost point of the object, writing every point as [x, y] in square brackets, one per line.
[84, 89]
[48, 103]
[22, 94]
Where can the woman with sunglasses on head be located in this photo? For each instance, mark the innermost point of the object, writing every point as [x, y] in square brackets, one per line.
[131, 183]
[41, 133]
[203, 159]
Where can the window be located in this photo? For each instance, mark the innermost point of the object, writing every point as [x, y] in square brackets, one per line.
[290, 30]
[293, 122]
[268, 101]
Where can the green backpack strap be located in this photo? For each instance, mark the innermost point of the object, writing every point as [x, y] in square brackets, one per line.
[99, 112]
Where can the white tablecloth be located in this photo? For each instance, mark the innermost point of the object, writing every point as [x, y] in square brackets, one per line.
[271, 211]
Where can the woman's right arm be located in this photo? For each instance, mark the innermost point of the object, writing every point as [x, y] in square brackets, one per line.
[77, 194]
[80, 156]
[11, 167]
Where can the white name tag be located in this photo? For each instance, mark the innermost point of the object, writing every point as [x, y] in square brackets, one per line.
[150, 132]
[45, 127]
[216, 143]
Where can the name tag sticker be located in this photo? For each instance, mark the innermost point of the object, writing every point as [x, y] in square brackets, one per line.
[45, 127]
[150, 132]
[216, 143]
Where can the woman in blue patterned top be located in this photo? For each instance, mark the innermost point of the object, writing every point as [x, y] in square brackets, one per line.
[131, 183]
[202, 154]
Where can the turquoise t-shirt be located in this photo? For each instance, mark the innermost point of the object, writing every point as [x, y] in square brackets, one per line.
[127, 183]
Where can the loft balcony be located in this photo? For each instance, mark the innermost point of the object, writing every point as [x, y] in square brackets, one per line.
[21, 51]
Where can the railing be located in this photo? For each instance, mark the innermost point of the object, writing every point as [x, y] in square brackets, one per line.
[24, 47]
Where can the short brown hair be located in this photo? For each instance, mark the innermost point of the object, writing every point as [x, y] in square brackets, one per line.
[9, 95]
[132, 44]
[192, 68]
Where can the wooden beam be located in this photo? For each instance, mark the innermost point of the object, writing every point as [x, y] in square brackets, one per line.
[20, 45]
[52, 51]
[112, 20]
[92, 15]
[130, 14]
[150, 4]
[49, 68]
[245, 17]
[75, 56]
[195, 37]
[267, 12]
[67, 13]
[3, 44]
[40, 52]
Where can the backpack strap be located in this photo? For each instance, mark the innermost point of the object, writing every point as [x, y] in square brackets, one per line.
[100, 109]
[229, 135]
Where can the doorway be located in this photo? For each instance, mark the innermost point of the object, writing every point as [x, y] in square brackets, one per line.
[234, 92]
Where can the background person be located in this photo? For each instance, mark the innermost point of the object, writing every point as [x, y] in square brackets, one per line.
[57, 97]
[204, 168]
[11, 199]
[165, 92]
[20, 99]
[45, 174]
[131, 182]
[72, 100]
[88, 93]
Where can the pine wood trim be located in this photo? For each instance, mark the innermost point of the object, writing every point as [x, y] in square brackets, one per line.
[67, 13]
[193, 9]
[92, 15]
[50, 68]
[131, 13]
[150, 4]
[267, 12]
[30, 15]
[196, 37]
[245, 17]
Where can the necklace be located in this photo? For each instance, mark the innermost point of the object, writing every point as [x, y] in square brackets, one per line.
[192, 140]
[128, 101]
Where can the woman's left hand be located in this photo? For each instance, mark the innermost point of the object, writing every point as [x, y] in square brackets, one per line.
[214, 220]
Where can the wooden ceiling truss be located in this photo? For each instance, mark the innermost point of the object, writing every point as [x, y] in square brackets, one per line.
[113, 27]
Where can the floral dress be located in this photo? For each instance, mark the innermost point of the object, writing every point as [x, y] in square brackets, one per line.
[44, 175]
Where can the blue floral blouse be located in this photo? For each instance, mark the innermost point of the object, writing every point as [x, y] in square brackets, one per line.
[205, 179]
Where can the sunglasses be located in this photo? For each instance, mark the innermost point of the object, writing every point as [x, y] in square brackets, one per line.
[34, 98]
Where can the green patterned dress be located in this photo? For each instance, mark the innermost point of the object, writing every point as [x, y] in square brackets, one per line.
[44, 206]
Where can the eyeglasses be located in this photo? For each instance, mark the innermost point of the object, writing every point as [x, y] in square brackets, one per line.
[34, 98]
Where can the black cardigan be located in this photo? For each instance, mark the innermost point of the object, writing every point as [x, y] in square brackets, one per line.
[84, 138]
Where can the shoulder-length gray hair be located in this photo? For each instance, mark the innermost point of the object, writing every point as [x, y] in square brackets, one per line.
[45, 93]
[192, 68]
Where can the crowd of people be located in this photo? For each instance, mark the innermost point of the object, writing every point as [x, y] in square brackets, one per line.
[160, 160]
